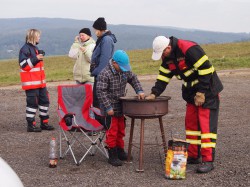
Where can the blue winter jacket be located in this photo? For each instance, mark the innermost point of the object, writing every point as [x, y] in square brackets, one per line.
[102, 53]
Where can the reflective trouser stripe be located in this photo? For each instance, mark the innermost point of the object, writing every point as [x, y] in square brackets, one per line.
[30, 115]
[209, 135]
[43, 107]
[194, 142]
[208, 145]
[31, 109]
[43, 113]
[30, 112]
[201, 120]
[193, 133]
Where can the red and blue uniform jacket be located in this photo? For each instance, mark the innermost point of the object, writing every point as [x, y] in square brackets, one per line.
[31, 69]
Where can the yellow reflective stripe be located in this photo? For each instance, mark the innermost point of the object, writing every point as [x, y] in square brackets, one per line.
[189, 72]
[206, 71]
[208, 145]
[163, 78]
[164, 70]
[209, 135]
[193, 133]
[192, 83]
[178, 77]
[201, 61]
[195, 142]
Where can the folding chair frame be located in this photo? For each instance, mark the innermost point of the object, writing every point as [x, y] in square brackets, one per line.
[95, 142]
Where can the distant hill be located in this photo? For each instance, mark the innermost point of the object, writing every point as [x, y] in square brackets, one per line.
[58, 35]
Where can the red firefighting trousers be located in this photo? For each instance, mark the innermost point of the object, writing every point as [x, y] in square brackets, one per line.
[116, 133]
[201, 132]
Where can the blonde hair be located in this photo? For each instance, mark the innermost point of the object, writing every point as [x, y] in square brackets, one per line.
[31, 36]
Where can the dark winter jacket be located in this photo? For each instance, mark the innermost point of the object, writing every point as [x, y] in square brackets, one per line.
[102, 53]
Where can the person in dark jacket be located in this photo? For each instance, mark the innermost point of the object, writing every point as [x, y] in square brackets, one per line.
[111, 84]
[188, 62]
[102, 53]
[33, 82]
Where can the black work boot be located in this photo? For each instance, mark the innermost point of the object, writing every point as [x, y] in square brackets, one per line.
[191, 160]
[205, 167]
[122, 155]
[45, 125]
[113, 157]
[32, 127]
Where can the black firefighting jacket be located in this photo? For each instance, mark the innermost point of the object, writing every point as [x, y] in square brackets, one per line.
[188, 62]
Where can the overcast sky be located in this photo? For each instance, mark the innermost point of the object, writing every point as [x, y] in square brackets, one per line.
[212, 15]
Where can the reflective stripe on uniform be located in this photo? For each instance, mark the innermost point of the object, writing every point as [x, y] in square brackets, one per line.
[43, 113]
[195, 142]
[30, 115]
[208, 145]
[30, 63]
[189, 72]
[206, 71]
[178, 77]
[164, 70]
[23, 62]
[193, 133]
[163, 78]
[31, 109]
[43, 107]
[192, 83]
[201, 61]
[33, 83]
[209, 135]
[33, 69]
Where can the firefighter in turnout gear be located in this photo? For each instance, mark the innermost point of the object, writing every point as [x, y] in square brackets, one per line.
[33, 82]
[201, 87]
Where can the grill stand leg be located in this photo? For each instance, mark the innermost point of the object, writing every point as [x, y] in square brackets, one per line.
[141, 147]
[163, 135]
[131, 139]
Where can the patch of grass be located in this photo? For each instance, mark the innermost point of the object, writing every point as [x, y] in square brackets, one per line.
[59, 68]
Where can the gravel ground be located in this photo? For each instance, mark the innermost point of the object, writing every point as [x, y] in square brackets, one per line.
[27, 153]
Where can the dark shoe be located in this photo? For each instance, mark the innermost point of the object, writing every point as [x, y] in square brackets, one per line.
[191, 160]
[122, 155]
[205, 167]
[46, 126]
[33, 128]
[113, 157]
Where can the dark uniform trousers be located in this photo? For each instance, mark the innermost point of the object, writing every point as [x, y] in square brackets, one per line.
[37, 99]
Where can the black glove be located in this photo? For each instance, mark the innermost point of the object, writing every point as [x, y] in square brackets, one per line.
[41, 52]
[68, 119]
[92, 66]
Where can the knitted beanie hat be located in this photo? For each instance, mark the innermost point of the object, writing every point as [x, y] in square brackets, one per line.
[85, 31]
[100, 24]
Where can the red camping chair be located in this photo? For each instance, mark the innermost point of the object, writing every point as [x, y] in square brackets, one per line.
[76, 120]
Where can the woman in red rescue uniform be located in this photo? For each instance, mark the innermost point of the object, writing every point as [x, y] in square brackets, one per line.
[188, 62]
[33, 82]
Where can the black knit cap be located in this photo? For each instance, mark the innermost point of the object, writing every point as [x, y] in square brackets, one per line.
[100, 24]
[85, 31]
